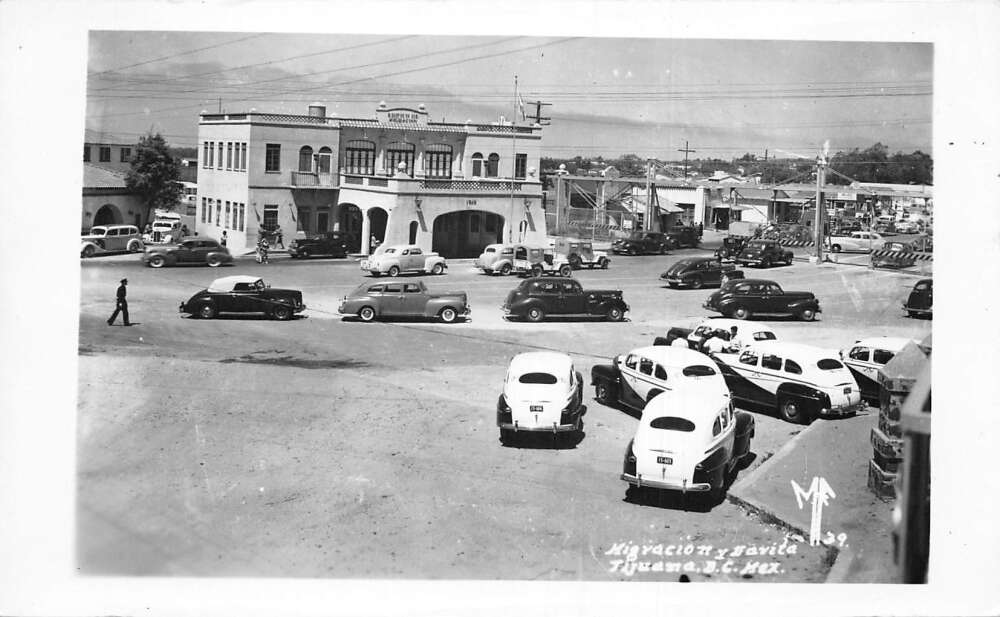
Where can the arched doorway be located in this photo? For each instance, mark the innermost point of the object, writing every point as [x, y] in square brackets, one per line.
[108, 215]
[414, 226]
[466, 233]
[378, 218]
[349, 223]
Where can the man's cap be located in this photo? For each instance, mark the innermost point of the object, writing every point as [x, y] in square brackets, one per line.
[124, 280]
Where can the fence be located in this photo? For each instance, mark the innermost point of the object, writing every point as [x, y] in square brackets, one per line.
[591, 223]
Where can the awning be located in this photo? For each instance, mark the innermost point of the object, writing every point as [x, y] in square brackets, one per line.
[670, 208]
[720, 206]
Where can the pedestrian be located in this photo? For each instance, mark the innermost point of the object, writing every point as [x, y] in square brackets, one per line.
[373, 244]
[184, 231]
[121, 305]
[680, 341]
[734, 343]
[278, 240]
[148, 229]
[223, 239]
[701, 228]
[262, 248]
[714, 343]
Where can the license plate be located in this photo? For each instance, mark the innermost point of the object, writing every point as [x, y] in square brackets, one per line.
[847, 390]
[664, 460]
[535, 408]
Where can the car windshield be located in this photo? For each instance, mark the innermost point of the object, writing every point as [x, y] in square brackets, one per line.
[829, 364]
[390, 251]
[538, 378]
[490, 249]
[671, 423]
[764, 336]
[698, 370]
[756, 245]
[98, 231]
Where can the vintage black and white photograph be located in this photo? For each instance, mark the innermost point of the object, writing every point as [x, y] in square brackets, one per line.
[497, 305]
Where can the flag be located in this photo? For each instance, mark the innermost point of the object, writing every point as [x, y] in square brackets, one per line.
[520, 105]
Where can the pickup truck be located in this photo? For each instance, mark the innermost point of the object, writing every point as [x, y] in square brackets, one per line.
[535, 298]
[764, 253]
[744, 298]
[332, 243]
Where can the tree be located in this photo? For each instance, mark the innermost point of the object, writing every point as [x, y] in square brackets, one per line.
[154, 174]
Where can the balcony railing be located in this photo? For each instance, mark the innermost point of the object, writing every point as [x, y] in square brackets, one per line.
[405, 184]
[471, 185]
[313, 179]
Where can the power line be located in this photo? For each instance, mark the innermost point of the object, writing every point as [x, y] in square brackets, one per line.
[183, 53]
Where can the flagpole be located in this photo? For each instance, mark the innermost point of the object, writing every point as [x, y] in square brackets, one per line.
[513, 163]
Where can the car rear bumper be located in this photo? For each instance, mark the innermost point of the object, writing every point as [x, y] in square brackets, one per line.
[638, 480]
[919, 311]
[841, 411]
[674, 280]
[553, 428]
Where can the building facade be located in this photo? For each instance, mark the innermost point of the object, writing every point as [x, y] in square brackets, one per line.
[396, 177]
[107, 201]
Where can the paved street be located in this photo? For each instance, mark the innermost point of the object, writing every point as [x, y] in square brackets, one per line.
[324, 447]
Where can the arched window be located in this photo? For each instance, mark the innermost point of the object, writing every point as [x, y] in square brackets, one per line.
[493, 165]
[477, 165]
[305, 158]
[413, 231]
[325, 159]
[437, 161]
[399, 152]
[360, 157]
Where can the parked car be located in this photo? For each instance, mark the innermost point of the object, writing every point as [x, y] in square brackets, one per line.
[764, 253]
[241, 295]
[634, 378]
[801, 382]
[747, 333]
[689, 442]
[332, 243]
[642, 243]
[696, 272]
[745, 298]
[542, 392]
[536, 298]
[166, 230]
[902, 251]
[497, 259]
[580, 253]
[920, 302]
[394, 260]
[855, 242]
[411, 299]
[907, 227]
[866, 357]
[190, 251]
[731, 247]
[537, 261]
[683, 236]
[110, 238]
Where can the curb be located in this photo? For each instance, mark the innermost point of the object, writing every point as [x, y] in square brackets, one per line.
[841, 560]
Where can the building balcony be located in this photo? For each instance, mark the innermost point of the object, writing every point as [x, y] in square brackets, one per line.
[313, 180]
[439, 186]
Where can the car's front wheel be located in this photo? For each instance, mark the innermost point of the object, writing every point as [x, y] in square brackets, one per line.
[366, 314]
[505, 269]
[134, 246]
[603, 393]
[304, 253]
[535, 314]
[448, 315]
[214, 261]
[207, 311]
[437, 269]
[89, 250]
[615, 313]
[565, 270]
[282, 313]
[765, 263]
[741, 312]
[394, 271]
[157, 261]
[835, 248]
[696, 282]
[536, 271]
[807, 314]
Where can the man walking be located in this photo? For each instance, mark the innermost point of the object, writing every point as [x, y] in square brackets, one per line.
[121, 305]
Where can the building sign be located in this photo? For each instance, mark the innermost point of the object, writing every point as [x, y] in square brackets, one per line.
[402, 116]
[847, 196]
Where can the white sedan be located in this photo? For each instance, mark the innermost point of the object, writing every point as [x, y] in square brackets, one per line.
[857, 242]
[542, 392]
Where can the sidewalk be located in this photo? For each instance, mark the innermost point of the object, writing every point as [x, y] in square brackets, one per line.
[837, 451]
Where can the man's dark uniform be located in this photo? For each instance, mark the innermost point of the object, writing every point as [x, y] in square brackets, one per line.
[121, 305]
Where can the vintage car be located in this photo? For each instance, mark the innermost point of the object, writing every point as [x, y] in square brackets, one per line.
[537, 261]
[497, 259]
[643, 242]
[856, 242]
[241, 295]
[690, 442]
[745, 298]
[683, 236]
[542, 392]
[866, 357]
[696, 272]
[380, 300]
[190, 251]
[920, 302]
[393, 260]
[801, 382]
[580, 253]
[747, 333]
[907, 227]
[110, 238]
[634, 378]
[731, 247]
[535, 298]
[332, 243]
[764, 253]
[902, 251]
[166, 230]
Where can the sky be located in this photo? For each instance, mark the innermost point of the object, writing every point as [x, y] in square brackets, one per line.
[608, 96]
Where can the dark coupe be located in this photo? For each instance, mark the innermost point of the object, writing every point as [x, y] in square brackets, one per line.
[241, 295]
[535, 298]
[743, 299]
[696, 272]
[333, 243]
[921, 300]
[643, 242]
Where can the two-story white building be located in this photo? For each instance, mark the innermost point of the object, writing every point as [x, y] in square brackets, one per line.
[395, 177]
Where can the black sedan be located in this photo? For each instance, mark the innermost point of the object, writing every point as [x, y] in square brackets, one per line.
[697, 272]
[242, 295]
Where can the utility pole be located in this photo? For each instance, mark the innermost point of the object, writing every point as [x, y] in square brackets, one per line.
[686, 150]
[538, 118]
[648, 217]
[764, 178]
[820, 210]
